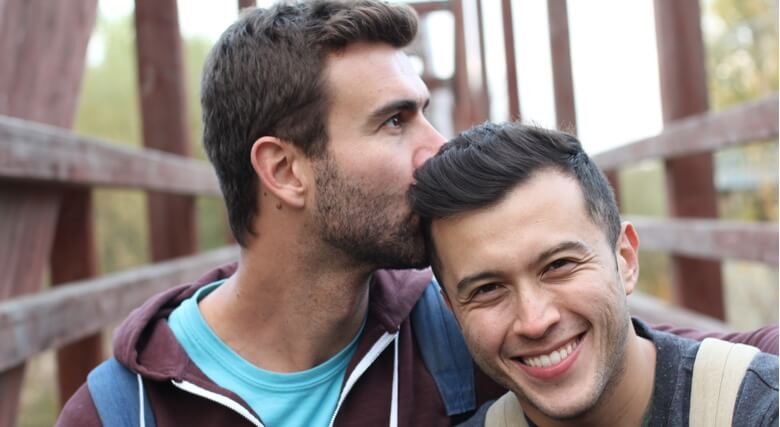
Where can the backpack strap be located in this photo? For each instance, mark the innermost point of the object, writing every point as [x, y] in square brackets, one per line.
[505, 412]
[116, 392]
[444, 351]
[718, 371]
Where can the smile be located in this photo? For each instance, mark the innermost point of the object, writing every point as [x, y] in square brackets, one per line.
[554, 357]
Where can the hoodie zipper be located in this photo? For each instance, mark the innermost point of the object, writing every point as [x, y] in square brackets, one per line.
[218, 398]
[376, 350]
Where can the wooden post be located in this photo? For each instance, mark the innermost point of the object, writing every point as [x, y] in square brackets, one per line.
[689, 179]
[243, 4]
[484, 93]
[560, 55]
[511, 61]
[74, 257]
[469, 83]
[172, 224]
[44, 47]
[461, 111]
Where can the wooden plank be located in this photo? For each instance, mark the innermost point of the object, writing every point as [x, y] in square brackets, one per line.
[425, 7]
[656, 311]
[246, 4]
[513, 95]
[172, 223]
[74, 257]
[710, 238]
[43, 46]
[27, 218]
[689, 180]
[51, 319]
[752, 121]
[560, 56]
[32, 151]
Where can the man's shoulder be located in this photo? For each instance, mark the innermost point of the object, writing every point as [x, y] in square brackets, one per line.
[79, 410]
[757, 404]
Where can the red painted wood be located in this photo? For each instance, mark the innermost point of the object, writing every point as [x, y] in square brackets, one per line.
[43, 46]
[243, 4]
[560, 56]
[754, 121]
[74, 257]
[710, 238]
[513, 96]
[27, 218]
[172, 223]
[30, 151]
[689, 179]
[64, 314]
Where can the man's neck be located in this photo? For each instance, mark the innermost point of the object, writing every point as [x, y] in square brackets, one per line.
[284, 316]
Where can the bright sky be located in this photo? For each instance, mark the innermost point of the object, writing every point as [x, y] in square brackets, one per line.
[613, 59]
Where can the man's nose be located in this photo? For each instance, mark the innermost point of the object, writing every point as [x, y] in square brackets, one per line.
[431, 141]
[535, 314]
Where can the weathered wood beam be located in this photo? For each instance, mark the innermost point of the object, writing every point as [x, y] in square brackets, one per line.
[43, 47]
[64, 314]
[689, 180]
[710, 238]
[32, 151]
[656, 311]
[425, 7]
[753, 121]
[163, 95]
[74, 257]
[513, 94]
[560, 56]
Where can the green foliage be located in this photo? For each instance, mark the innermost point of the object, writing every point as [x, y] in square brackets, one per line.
[742, 51]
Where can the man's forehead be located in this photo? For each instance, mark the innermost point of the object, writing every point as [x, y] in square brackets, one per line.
[373, 72]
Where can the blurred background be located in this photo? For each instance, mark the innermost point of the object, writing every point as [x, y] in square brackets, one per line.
[616, 94]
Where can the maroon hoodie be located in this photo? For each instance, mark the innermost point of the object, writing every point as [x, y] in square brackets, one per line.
[180, 394]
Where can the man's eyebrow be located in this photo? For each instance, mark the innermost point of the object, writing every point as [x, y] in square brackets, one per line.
[482, 275]
[381, 113]
[572, 245]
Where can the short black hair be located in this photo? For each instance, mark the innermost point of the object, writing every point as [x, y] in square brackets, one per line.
[481, 165]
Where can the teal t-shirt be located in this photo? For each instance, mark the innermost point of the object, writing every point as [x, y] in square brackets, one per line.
[306, 398]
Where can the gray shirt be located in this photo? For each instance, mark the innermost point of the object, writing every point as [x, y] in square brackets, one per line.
[757, 401]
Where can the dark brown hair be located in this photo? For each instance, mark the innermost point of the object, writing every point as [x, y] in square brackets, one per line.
[264, 77]
[482, 165]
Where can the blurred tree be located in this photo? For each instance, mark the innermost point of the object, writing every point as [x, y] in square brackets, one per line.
[742, 49]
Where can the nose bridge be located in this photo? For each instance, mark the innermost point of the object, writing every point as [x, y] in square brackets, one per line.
[535, 311]
[430, 140]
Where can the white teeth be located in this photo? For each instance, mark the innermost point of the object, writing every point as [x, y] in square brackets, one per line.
[554, 358]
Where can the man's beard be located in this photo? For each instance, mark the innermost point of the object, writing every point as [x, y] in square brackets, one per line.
[371, 227]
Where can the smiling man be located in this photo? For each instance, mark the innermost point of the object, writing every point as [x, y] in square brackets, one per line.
[526, 240]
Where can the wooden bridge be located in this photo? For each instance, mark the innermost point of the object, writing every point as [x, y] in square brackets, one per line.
[48, 173]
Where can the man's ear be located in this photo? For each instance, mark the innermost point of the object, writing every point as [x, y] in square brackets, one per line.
[278, 165]
[627, 255]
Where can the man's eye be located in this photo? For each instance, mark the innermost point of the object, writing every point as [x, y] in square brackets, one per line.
[393, 122]
[486, 289]
[558, 263]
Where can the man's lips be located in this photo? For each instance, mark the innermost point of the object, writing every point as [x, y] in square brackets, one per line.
[553, 363]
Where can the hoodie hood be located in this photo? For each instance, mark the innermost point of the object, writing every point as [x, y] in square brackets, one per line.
[145, 344]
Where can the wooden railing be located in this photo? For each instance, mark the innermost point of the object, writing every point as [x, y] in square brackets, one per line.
[42, 158]
[706, 133]
[40, 163]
